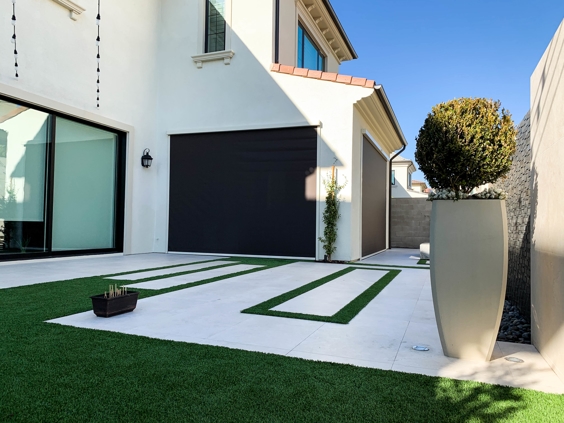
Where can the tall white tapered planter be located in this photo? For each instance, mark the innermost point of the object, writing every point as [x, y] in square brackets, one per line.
[468, 274]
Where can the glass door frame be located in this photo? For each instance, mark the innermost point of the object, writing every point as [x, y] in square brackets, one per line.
[119, 218]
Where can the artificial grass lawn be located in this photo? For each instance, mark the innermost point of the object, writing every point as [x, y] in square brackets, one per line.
[343, 316]
[53, 373]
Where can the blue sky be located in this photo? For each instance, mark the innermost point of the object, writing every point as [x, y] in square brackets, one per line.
[427, 52]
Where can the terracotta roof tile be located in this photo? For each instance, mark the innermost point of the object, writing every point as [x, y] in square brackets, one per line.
[359, 81]
[325, 76]
[329, 76]
[287, 69]
[314, 74]
[344, 79]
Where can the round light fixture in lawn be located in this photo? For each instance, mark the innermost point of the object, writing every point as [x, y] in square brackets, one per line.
[420, 348]
[146, 159]
[514, 359]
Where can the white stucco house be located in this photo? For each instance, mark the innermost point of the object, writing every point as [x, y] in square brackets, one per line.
[239, 103]
[403, 185]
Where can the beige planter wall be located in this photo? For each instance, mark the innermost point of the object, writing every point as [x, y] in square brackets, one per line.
[547, 204]
[468, 274]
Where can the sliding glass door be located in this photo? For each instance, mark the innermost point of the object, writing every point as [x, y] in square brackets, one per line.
[61, 184]
[23, 145]
[85, 187]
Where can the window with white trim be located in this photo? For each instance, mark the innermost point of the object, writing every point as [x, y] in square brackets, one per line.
[309, 55]
[215, 26]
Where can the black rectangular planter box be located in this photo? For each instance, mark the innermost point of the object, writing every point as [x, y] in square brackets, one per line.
[108, 307]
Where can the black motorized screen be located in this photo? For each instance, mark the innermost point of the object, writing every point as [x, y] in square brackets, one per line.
[245, 192]
[374, 204]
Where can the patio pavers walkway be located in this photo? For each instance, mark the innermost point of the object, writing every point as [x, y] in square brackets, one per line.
[380, 336]
[31, 272]
[171, 270]
[193, 277]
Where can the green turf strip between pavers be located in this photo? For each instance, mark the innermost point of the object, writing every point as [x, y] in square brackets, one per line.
[267, 263]
[343, 316]
[53, 373]
[172, 266]
[423, 261]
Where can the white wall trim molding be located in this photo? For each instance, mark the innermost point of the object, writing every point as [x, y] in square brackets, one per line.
[273, 125]
[47, 103]
[74, 9]
[226, 55]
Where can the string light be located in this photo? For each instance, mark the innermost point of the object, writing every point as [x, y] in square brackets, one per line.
[97, 57]
[14, 39]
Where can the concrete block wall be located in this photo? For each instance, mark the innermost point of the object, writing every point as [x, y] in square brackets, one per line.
[518, 203]
[410, 222]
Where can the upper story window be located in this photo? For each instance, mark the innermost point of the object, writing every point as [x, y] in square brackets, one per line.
[393, 177]
[215, 25]
[309, 55]
[409, 181]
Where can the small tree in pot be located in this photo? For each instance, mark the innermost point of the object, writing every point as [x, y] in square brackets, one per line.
[463, 144]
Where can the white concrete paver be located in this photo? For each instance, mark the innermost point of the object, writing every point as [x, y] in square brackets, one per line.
[395, 257]
[163, 272]
[380, 336]
[335, 294]
[193, 277]
[21, 273]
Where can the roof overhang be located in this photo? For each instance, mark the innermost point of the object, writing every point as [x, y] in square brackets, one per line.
[328, 23]
[378, 113]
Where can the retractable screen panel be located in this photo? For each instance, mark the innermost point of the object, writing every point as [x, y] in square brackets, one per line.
[374, 204]
[246, 192]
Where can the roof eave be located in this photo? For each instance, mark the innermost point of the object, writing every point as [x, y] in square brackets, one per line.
[340, 28]
[390, 112]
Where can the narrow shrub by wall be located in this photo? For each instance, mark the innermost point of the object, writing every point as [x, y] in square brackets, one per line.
[410, 222]
[517, 185]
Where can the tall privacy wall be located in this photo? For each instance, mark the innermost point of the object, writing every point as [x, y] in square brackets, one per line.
[518, 203]
[547, 204]
[410, 222]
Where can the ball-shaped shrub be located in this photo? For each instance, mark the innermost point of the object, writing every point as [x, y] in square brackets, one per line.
[465, 143]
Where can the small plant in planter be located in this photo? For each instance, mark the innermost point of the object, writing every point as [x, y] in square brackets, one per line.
[464, 144]
[331, 215]
[115, 301]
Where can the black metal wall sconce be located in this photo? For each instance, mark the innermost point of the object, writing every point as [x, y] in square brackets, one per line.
[146, 159]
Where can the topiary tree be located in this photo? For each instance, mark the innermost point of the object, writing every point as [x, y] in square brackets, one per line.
[465, 143]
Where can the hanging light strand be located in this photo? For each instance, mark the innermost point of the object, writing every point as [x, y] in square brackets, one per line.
[97, 57]
[14, 40]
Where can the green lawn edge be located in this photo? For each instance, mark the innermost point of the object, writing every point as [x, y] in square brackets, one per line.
[343, 316]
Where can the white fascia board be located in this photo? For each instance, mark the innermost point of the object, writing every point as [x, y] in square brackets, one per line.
[74, 9]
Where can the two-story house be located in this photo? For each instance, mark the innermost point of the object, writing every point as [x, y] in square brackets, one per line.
[403, 185]
[240, 104]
